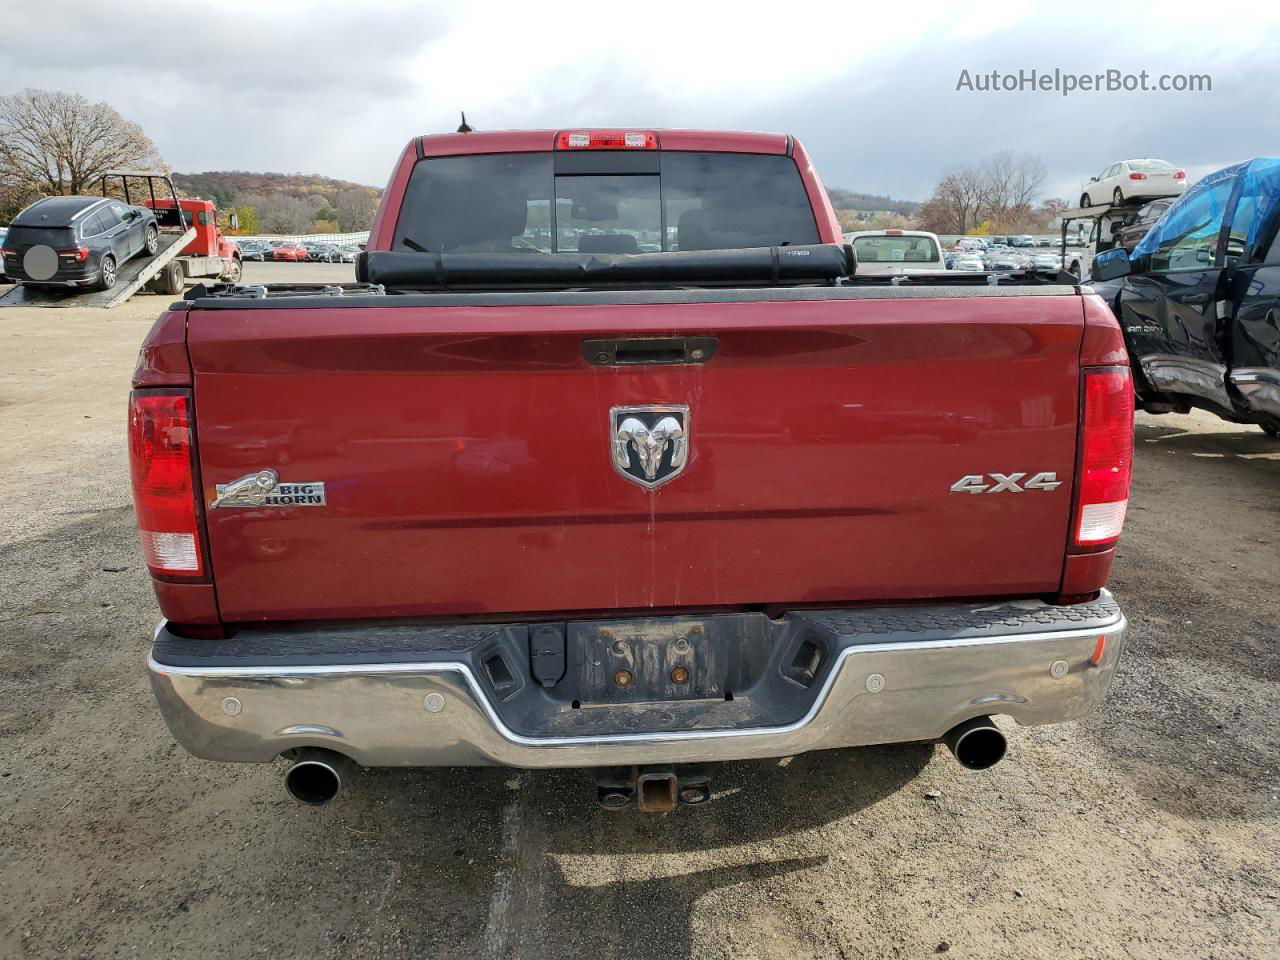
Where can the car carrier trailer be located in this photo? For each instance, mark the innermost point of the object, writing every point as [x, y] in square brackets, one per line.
[1106, 220]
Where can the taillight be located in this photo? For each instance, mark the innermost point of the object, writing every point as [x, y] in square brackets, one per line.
[164, 488]
[1106, 457]
[1180, 175]
[78, 255]
[606, 140]
[1137, 176]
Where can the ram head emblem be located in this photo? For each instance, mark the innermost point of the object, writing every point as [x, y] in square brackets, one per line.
[251, 490]
[650, 444]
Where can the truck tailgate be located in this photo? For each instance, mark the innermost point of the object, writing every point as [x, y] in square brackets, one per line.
[466, 453]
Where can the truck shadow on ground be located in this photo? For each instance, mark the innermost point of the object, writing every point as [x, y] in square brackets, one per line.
[545, 872]
[753, 801]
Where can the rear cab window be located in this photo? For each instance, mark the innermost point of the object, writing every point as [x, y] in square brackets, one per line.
[603, 202]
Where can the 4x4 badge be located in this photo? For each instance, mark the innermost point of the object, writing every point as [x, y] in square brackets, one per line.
[650, 444]
[1005, 483]
[264, 489]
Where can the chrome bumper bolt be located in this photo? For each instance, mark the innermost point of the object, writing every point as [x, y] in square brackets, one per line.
[433, 702]
[232, 707]
[875, 683]
[1058, 669]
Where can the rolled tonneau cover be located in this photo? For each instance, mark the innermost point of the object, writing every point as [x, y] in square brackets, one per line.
[766, 266]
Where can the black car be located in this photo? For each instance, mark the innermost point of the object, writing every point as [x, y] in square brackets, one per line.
[77, 241]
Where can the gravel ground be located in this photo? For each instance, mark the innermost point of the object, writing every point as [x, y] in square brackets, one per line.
[1147, 830]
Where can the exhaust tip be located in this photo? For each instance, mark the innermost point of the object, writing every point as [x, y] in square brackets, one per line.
[316, 776]
[976, 744]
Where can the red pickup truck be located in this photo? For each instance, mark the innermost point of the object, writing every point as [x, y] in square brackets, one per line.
[612, 460]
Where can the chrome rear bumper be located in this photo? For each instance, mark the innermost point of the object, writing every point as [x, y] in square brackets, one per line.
[440, 712]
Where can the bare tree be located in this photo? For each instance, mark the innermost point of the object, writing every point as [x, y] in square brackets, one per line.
[1010, 183]
[1000, 189]
[1027, 175]
[354, 209]
[956, 203]
[60, 143]
[281, 213]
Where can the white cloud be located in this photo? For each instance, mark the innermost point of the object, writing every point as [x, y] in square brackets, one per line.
[337, 87]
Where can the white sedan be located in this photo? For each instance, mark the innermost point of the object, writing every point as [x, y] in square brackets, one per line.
[1128, 179]
[1046, 263]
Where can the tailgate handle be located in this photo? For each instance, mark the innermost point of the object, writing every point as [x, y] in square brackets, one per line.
[639, 350]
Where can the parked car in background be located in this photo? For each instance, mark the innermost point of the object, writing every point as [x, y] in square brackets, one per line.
[1129, 233]
[77, 241]
[1022, 240]
[1127, 179]
[253, 249]
[317, 251]
[888, 252]
[1007, 261]
[347, 254]
[289, 250]
[968, 263]
[1049, 263]
[1044, 242]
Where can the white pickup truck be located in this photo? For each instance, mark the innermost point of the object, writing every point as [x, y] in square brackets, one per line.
[896, 252]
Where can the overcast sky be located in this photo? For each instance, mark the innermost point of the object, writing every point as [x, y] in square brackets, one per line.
[337, 88]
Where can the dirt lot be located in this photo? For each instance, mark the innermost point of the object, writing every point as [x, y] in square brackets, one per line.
[1148, 830]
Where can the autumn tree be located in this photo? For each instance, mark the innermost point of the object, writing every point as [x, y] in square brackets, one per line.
[957, 202]
[247, 217]
[59, 143]
[1000, 189]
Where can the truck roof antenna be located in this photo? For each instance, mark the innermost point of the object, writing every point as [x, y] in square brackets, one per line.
[464, 127]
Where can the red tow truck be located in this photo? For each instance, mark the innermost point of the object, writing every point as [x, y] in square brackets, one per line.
[211, 254]
[613, 459]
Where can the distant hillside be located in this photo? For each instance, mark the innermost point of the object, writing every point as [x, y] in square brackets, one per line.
[284, 203]
[224, 186]
[871, 203]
